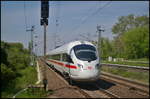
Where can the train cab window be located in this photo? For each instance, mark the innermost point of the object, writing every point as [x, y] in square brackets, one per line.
[85, 52]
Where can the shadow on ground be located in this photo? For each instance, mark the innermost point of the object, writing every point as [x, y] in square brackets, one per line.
[91, 86]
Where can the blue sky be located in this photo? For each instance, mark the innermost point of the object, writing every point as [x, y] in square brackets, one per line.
[74, 18]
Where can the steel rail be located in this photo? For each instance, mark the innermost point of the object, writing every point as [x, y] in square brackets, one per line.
[142, 62]
[125, 66]
[108, 93]
[127, 82]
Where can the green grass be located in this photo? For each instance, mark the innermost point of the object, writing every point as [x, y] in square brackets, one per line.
[133, 75]
[127, 63]
[27, 76]
[34, 93]
[141, 59]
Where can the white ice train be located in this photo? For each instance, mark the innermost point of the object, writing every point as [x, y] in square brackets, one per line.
[78, 60]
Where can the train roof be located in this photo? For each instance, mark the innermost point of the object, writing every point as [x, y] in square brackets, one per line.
[67, 47]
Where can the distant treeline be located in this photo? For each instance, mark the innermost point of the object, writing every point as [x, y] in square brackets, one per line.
[131, 39]
[13, 59]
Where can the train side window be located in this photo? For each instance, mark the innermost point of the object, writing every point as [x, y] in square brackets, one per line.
[56, 57]
[69, 59]
[48, 56]
[66, 58]
[61, 57]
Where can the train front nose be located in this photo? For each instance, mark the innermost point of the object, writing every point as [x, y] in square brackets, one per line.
[88, 73]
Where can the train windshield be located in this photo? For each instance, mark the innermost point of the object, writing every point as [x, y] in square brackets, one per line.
[85, 52]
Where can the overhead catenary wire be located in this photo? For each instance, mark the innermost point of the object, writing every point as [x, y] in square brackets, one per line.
[85, 19]
[40, 42]
[57, 20]
[57, 12]
[93, 14]
[71, 4]
[25, 16]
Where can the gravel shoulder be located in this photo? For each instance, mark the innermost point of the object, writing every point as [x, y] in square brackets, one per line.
[58, 85]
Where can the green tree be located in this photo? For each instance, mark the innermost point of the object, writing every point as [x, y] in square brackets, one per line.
[106, 48]
[4, 57]
[7, 74]
[14, 58]
[137, 42]
[126, 23]
[118, 47]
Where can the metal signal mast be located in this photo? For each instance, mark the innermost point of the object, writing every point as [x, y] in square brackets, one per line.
[31, 49]
[44, 20]
[99, 30]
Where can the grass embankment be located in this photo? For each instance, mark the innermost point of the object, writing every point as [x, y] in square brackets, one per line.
[34, 93]
[127, 63]
[140, 59]
[136, 75]
[27, 76]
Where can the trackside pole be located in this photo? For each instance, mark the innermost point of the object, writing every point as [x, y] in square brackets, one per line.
[44, 21]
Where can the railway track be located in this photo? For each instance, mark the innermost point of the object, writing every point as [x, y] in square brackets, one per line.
[122, 88]
[126, 66]
[108, 93]
[126, 82]
[108, 87]
[95, 91]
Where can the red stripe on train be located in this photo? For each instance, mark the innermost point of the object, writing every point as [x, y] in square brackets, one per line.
[62, 64]
[70, 66]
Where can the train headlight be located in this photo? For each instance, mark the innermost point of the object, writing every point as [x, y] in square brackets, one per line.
[97, 66]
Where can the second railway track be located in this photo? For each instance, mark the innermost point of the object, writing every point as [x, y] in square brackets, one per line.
[126, 82]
